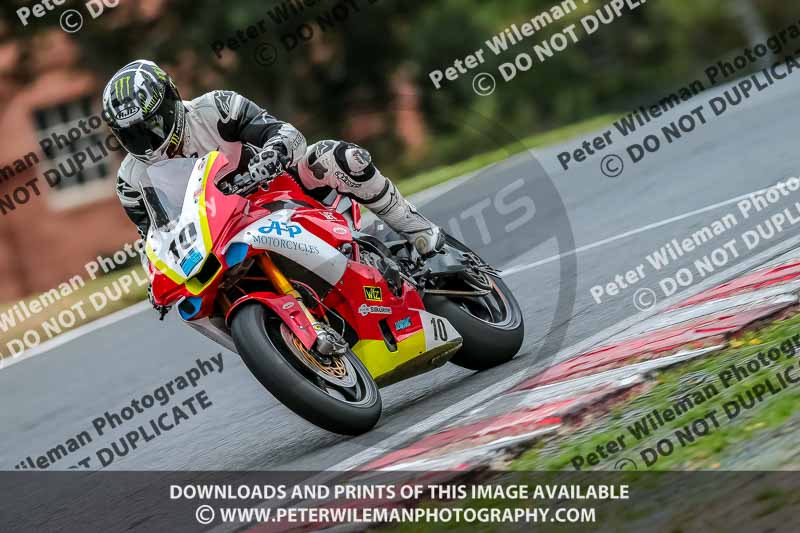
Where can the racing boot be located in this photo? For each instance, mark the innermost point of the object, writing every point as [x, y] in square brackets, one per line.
[349, 168]
[400, 215]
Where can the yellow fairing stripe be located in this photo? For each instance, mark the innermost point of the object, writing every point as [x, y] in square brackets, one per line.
[379, 360]
[205, 229]
[162, 267]
[204, 226]
[195, 287]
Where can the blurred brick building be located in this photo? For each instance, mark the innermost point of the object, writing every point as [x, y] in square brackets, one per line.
[52, 236]
[56, 233]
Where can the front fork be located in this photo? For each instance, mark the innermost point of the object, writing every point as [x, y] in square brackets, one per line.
[328, 342]
[284, 286]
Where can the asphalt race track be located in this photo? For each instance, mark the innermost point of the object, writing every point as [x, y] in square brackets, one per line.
[50, 398]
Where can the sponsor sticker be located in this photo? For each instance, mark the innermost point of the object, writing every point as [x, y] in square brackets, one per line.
[127, 113]
[373, 294]
[190, 261]
[365, 310]
[405, 323]
[344, 178]
[284, 244]
[282, 229]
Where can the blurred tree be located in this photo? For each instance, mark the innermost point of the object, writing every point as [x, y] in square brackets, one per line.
[751, 20]
[350, 68]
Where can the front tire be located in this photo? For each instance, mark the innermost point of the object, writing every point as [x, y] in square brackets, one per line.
[263, 347]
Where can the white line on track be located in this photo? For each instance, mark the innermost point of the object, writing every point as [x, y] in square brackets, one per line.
[422, 198]
[402, 437]
[431, 422]
[438, 419]
[70, 336]
[522, 268]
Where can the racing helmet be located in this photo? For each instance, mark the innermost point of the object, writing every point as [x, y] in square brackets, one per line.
[144, 110]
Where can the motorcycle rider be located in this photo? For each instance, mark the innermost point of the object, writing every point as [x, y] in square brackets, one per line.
[144, 110]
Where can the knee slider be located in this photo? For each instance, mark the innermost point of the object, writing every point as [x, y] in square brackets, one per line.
[355, 161]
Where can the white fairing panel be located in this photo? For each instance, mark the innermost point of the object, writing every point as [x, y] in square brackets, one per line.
[179, 243]
[277, 233]
[438, 330]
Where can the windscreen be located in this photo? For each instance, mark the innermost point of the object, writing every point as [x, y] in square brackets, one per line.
[164, 189]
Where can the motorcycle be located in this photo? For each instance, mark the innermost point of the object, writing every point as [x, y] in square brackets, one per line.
[322, 313]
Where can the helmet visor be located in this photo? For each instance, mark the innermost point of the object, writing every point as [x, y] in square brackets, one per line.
[151, 134]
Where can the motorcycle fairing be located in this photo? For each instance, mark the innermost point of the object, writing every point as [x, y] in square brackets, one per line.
[286, 308]
[191, 237]
[397, 340]
[417, 332]
[420, 334]
[278, 233]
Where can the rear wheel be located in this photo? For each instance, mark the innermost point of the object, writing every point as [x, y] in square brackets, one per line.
[335, 393]
[491, 325]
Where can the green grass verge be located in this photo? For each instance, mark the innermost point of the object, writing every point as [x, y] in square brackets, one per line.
[83, 294]
[707, 445]
[664, 499]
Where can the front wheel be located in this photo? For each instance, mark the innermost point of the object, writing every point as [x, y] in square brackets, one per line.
[337, 394]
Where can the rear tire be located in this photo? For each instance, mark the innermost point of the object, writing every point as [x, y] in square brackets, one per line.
[487, 343]
[258, 339]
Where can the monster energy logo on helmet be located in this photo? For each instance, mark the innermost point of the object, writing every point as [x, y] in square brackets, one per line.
[143, 108]
[122, 87]
[138, 84]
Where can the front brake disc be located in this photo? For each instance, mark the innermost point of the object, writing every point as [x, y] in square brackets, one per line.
[338, 371]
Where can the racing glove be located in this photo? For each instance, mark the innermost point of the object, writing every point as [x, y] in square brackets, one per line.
[270, 162]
